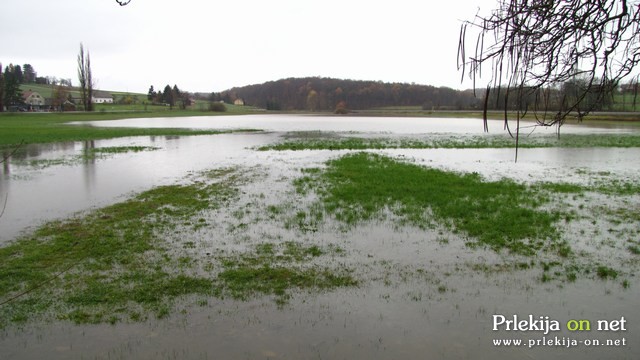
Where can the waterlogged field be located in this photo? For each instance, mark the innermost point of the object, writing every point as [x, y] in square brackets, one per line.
[379, 244]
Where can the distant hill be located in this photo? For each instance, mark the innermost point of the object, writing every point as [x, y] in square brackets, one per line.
[316, 94]
[46, 91]
[324, 94]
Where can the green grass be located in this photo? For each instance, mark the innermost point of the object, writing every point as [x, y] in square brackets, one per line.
[103, 152]
[617, 187]
[108, 265]
[89, 154]
[414, 111]
[625, 102]
[29, 128]
[451, 142]
[121, 149]
[46, 91]
[605, 272]
[275, 269]
[500, 214]
[115, 263]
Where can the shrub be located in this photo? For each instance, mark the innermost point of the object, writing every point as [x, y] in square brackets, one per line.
[217, 107]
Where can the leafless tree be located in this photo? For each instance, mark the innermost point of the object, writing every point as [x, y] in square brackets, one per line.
[85, 78]
[532, 46]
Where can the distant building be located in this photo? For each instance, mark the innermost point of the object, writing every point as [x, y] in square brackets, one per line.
[33, 99]
[238, 102]
[102, 97]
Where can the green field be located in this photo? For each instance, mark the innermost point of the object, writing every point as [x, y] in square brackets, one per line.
[122, 101]
[625, 102]
[47, 90]
[30, 128]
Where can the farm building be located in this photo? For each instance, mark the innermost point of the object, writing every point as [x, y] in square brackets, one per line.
[33, 99]
[102, 97]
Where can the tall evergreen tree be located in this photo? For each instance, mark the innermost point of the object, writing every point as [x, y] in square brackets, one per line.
[29, 74]
[12, 93]
[17, 73]
[167, 96]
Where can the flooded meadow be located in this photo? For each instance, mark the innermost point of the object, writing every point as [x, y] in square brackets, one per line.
[323, 237]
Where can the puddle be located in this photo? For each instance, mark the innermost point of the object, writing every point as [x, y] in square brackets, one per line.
[423, 293]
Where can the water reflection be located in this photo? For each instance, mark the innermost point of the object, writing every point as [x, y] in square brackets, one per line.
[49, 182]
[6, 164]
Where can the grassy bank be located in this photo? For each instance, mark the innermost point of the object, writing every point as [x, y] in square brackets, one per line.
[30, 128]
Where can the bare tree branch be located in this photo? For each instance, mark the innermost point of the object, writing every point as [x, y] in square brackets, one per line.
[123, 2]
[535, 45]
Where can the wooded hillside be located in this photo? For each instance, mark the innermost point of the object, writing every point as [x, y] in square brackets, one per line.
[325, 94]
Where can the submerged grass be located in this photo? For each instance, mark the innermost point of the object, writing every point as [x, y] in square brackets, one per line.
[108, 265]
[501, 214]
[273, 269]
[121, 149]
[116, 263]
[87, 155]
[331, 142]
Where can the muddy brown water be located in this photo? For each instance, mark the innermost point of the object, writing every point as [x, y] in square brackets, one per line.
[419, 296]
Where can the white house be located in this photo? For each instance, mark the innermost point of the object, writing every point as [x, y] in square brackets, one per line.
[102, 97]
[32, 98]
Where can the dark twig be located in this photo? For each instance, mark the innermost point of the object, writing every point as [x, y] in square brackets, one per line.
[538, 45]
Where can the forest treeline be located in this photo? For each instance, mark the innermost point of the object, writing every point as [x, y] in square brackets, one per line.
[327, 94]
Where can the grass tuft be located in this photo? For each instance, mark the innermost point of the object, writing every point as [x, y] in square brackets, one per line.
[501, 214]
[274, 269]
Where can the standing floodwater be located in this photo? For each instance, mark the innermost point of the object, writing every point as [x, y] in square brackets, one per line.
[423, 290]
[44, 182]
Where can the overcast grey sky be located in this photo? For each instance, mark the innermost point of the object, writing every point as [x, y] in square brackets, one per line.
[215, 45]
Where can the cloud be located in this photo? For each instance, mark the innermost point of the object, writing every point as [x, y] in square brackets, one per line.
[211, 46]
